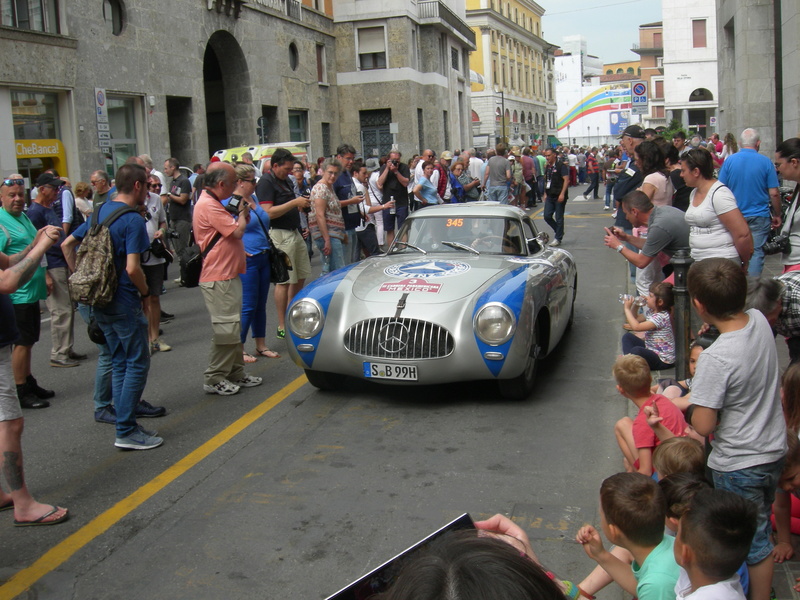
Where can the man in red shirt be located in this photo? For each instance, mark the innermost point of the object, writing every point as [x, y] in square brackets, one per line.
[593, 170]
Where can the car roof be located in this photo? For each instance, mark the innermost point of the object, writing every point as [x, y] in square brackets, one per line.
[470, 209]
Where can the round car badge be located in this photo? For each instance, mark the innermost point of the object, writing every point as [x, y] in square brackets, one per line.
[427, 269]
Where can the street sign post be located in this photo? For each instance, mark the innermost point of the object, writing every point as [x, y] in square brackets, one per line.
[639, 98]
[261, 129]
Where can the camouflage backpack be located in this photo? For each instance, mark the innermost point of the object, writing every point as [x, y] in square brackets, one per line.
[94, 281]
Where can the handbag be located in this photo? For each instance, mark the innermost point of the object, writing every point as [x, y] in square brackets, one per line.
[192, 262]
[279, 262]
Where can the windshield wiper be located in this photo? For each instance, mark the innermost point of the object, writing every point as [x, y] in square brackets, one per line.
[460, 246]
[412, 246]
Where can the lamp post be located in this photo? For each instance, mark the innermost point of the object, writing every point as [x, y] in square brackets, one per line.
[499, 90]
[598, 137]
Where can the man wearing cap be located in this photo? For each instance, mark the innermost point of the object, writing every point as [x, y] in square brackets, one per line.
[628, 180]
[59, 303]
[393, 183]
[17, 234]
[440, 178]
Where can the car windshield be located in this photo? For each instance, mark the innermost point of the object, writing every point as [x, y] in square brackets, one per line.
[487, 235]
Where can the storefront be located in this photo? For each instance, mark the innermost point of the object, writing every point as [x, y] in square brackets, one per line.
[37, 133]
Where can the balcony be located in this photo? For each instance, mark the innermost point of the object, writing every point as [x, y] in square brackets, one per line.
[290, 8]
[649, 48]
[434, 12]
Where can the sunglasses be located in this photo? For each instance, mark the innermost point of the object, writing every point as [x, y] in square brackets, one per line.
[10, 182]
[248, 180]
[154, 186]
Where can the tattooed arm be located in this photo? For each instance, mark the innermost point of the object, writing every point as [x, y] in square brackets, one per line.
[20, 267]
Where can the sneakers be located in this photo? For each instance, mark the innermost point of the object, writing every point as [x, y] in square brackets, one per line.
[177, 280]
[606, 208]
[223, 388]
[150, 432]
[107, 414]
[166, 317]
[614, 215]
[159, 345]
[249, 381]
[63, 362]
[145, 410]
[27, 399]
[77, 355]
[139, 440]
[281, 334]
[555, 243]
[36, 390]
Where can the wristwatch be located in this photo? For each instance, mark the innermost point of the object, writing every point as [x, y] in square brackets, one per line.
[619, 248]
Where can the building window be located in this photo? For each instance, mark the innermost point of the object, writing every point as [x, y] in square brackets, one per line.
[113, 15]
[658, 40]
[294, 56]
[414, 50]
[371, 48]
[122, 117]
[699, 33]
[454, 62]
[659, 91]
[36, 15]
[298, 125]
[326, 139]
[660, 62]
[322, 64]
[35, 115]
[630, 70]
[658, 112]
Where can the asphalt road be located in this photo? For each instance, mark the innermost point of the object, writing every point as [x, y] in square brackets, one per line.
[286, 491]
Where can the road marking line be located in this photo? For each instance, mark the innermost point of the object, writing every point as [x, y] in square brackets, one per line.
[63, 551]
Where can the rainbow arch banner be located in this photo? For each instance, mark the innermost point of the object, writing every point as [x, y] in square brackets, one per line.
[607, 98]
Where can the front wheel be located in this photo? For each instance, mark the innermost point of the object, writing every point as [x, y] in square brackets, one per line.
[520, 387]
[325, 381]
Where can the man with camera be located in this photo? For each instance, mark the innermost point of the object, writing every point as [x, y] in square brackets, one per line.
[393, 182]
[219, 280]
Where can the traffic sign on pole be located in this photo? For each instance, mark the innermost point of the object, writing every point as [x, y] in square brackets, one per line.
[639, 94]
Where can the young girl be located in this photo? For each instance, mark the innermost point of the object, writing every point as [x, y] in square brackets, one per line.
[658, 346]
[786, 509]
[680, 392]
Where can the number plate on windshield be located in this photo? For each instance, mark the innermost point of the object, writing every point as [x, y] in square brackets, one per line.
[384, 371]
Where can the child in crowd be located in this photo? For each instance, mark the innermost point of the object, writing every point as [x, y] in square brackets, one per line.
[632, 514]
[635, 437]
[658, 346]
[786, 513]
[679, 455]
[680, 392]
[735, 394]
[713, 539]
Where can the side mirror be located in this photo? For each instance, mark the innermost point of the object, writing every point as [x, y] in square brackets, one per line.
[543, 238]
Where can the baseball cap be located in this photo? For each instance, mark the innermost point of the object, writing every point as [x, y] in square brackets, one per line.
[372, 164]
[634, 131]
[447, 155]
[48, 179]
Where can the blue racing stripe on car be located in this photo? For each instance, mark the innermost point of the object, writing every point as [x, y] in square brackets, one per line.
[510, 290]
[321, 290]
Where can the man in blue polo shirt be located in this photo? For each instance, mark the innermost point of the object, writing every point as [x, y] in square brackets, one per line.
[753, 180]
[349, 199]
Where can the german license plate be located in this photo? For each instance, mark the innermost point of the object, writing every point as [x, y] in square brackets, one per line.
[385, 371]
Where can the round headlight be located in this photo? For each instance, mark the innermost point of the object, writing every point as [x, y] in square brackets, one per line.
[495, 324]
[306, 318]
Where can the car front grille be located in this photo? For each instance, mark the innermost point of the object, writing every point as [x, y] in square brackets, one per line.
[398, 339]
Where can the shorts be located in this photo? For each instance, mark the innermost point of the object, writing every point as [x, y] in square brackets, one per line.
[154, 275]
[9, 402]
[757, 484]
[389, 220]
[291, 242]
[29, 323]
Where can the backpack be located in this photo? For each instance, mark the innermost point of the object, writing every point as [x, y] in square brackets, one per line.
[58, 208]
[95, 279]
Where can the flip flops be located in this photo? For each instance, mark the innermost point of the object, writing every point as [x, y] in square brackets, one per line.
[267, 353]
[249, 358]
[7, 506]
[41, 520]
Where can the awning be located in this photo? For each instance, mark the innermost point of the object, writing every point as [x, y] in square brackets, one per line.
[553, 141]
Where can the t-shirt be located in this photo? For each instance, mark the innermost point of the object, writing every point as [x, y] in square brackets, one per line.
[226, 259]
[738, 376]
[333, 213]
[728, 589]
[41, 216]
[22, 232]
[180, 212]
[554, 179]
[664, 190]
[392, 187]
[255, 233]
[672, 419]
[527, 166]
[274, 191]
[708, 237]
[155, 210]
[128, 236]
[345, 189]
[627, 180]
[667, 231]
[497, 165]
[750, 175]
[658, 574]
[661, 339]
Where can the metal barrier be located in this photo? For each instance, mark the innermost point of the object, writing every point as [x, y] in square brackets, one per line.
[682, 311]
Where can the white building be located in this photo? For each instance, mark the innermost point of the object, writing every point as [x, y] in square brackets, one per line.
[690, 64]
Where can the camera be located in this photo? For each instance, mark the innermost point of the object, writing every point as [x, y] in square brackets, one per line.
[234, 205]
[777, 244]
[395, 162]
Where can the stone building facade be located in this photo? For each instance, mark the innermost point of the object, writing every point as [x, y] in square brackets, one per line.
[84, 84]
[759, 83]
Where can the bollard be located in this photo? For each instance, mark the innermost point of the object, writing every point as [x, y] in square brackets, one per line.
[681, 261]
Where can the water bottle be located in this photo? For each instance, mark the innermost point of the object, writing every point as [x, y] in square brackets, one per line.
[392, 210]
[638, 301]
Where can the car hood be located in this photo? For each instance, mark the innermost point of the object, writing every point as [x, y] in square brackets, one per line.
[429, 279]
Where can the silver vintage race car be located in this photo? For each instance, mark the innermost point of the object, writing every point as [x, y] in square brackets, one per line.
[465, 292]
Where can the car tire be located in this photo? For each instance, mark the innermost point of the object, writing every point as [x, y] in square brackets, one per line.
[521, 386]
[325, 381]
[571, 319]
